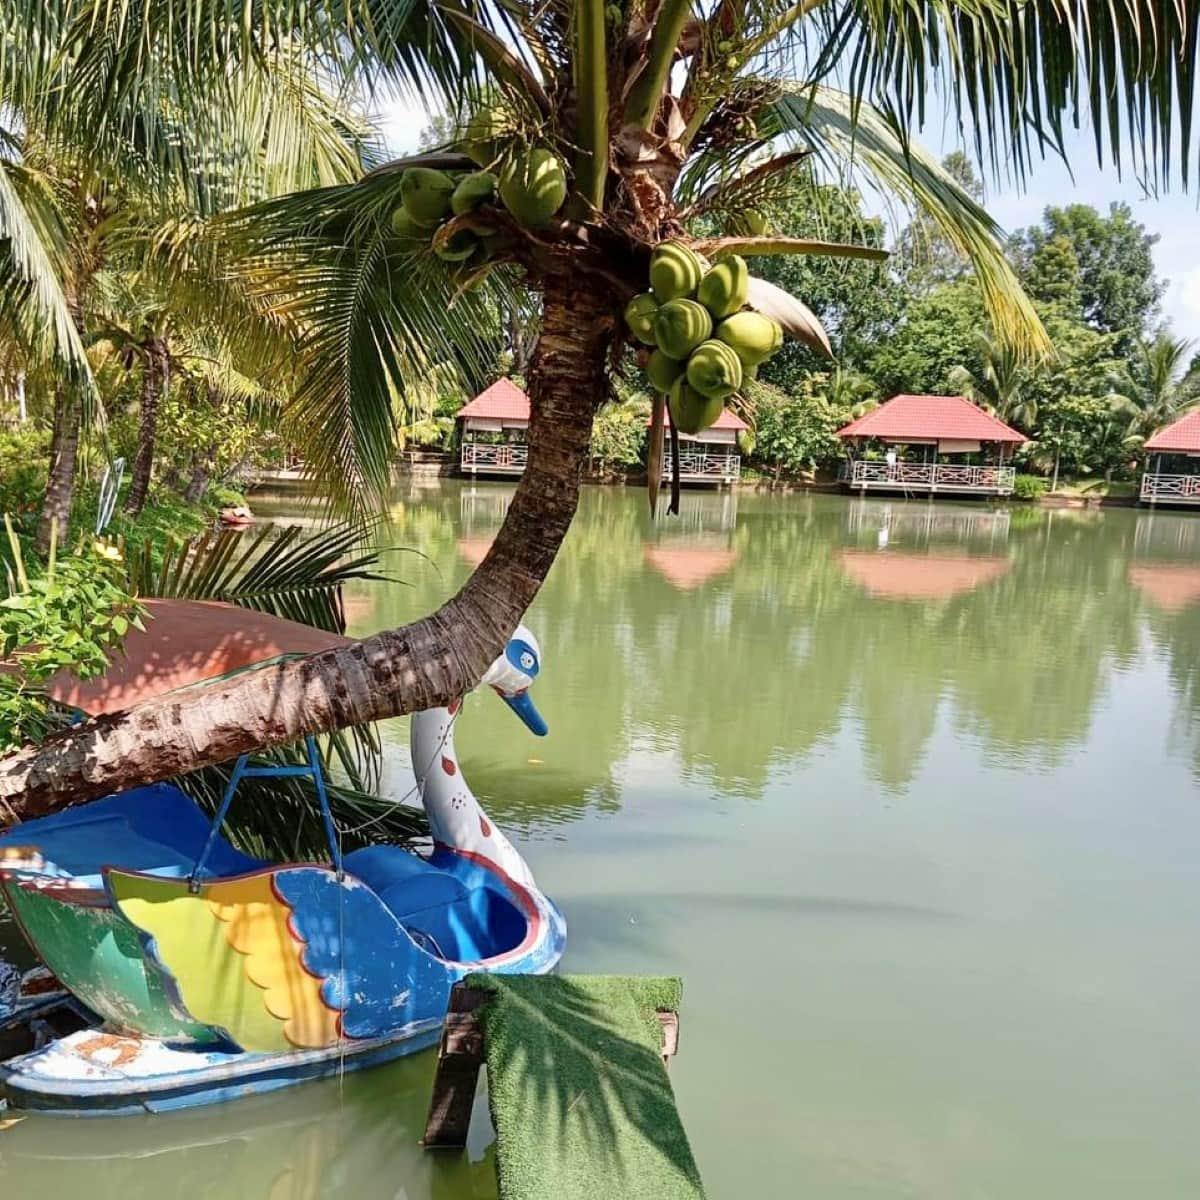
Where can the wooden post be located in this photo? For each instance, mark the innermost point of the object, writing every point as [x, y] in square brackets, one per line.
[459, 1058]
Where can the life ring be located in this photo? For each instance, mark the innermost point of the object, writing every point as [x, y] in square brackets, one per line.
[104, 1043]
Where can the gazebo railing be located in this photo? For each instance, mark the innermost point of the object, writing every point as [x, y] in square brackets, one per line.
[930, 476]
[494, 456]
[704, 464]
[1176, 488]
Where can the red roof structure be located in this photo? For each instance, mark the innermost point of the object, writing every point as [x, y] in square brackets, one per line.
[1180, 437]
[930, 419]
[726, 420]
[503, 401]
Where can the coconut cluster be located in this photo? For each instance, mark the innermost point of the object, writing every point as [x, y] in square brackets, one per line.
[707, 344]
[531, 185]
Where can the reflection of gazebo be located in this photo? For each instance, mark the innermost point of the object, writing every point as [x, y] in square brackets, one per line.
[474, 549]
[494, 428]
[936, 444]
[1173, 587]
[687, 567]
[1172, 474]
[711, 456]
[903, 576]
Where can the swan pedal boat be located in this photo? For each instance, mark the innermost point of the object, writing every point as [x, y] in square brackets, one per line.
[215, 975]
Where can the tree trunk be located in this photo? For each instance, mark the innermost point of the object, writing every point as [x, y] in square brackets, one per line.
[64, 456]
[429, 663]
[22, 407]
[155, 380]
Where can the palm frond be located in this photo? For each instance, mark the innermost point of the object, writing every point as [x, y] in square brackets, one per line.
[843, 134]
[373, 317]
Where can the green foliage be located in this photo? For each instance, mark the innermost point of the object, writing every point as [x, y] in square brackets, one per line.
[1029, 487]
[23, 458]
[619, 432]
[794, 432]
[70, 615]
[1101, 268]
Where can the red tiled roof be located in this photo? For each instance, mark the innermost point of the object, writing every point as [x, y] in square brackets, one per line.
[1182, 435]
[927, 418]
[726, 420]
[503, 401]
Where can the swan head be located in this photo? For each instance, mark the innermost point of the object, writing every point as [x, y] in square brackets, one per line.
[512, 675]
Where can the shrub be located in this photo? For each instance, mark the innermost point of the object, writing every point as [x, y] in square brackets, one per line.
[24, 456]
[1029, 487]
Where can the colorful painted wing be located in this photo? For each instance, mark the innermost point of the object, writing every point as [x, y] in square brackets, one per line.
[283, 959]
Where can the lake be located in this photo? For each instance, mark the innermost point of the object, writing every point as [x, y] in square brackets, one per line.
[906, 792]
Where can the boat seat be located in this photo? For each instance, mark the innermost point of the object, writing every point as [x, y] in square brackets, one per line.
[156, 829]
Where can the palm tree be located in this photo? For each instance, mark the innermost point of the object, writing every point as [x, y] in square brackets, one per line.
[662, 115]
[1001, 385]
[1159, 389]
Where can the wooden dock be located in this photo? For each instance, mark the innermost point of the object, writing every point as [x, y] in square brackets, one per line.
[577, 1085]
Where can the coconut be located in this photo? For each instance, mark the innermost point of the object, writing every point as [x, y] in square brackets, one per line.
[674, 271]
[714, 369]
[472, 191]
[692, 412]
[426, 194]
[458, 247]
[748, 223]
[534, 186]
[639, 316]
[486, 132]
[407, 230]
[680, 326]
[752, 335]
[663, 371]
[724, 289]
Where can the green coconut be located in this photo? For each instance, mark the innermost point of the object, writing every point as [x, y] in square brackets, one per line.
[674, 271]
[753, 336]
[472, 192]
[458, 247]
[663, 371]
[691, 411]
[724, 289]
[486, 133]
[639, 316]
[426, 194]
[407, 230]
[534, 186]
[748, 223]
[714, 369]
[680, 326]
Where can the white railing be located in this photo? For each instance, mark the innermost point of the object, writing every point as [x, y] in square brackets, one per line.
[499, 456]
[931, 476]
[1179, 488]
[698, 464]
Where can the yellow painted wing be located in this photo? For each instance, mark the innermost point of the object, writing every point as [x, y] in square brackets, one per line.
[233, 958]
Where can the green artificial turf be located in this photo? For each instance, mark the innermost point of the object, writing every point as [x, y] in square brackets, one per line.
[579, 1095]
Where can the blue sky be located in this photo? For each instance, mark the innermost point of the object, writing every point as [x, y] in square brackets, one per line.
[1174, 217]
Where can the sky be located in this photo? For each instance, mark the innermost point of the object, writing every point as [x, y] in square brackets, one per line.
[1173, 217]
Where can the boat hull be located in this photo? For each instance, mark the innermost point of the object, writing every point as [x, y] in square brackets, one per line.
[97, 1074]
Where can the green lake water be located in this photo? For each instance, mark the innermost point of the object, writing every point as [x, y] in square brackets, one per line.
[907, 793]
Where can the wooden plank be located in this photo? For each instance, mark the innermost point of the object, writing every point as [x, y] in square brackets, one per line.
[460, 1056]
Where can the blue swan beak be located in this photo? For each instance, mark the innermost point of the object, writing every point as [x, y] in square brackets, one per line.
[524, 707]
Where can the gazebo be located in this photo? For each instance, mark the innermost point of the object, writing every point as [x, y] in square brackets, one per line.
[930, 444]
[495, 426]
[711, 456]
[1172, 474]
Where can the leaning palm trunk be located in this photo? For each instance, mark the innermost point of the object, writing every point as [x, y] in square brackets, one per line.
[155, 380]
[428, 663]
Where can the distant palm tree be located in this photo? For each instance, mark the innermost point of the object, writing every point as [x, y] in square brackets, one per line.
[1001, 386]
[1158, 389]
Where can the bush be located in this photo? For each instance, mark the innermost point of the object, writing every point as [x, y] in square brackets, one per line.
[1029, 487]
[24, 458]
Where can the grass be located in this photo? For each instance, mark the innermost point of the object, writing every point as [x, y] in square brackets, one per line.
[579, 1095]
[1092, 487]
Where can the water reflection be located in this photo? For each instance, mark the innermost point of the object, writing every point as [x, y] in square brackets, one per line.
[755, 630]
